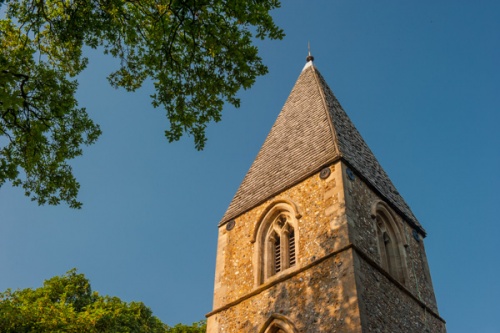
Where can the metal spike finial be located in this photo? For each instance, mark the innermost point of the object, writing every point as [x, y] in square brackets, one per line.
[309, 56]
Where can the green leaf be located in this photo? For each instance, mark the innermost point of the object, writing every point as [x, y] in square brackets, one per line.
[199, 54]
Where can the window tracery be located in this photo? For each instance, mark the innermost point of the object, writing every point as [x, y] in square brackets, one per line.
[280, 252]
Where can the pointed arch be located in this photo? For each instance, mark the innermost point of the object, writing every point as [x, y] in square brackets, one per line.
[391, 241]
[276, 238]
[278, 323]
[276, 205]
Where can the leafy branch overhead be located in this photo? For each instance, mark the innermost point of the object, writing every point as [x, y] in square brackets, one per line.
[198, 54]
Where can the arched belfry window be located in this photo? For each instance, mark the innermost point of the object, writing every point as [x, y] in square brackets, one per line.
[276, 241]
[390, 242]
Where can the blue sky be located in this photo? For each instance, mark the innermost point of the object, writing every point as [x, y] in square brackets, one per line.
[420, 80]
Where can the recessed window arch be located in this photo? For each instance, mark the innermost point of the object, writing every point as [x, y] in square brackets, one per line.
[390, 242]
[276, 240]
[278, 324]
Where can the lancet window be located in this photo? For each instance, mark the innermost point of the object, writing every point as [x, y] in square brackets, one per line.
[276, 242]
[390, 243]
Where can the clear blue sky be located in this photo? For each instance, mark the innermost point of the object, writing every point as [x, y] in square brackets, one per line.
[420, 80]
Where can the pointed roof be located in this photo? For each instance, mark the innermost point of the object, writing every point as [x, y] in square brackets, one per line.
[311, 131]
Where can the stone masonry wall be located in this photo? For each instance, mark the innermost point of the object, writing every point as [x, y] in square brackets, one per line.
[320, 204]
[386, 309]
[362, 232]
[322, 229]
[332, 288]
[320, 299]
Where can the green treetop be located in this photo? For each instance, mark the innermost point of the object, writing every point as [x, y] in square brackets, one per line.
[67, 304]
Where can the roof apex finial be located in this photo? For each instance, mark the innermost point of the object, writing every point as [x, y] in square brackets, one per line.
[309, 56]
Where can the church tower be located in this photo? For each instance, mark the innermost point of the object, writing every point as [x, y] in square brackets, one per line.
[317, 238]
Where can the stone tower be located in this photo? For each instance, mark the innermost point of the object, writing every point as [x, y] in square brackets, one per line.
[317, 238]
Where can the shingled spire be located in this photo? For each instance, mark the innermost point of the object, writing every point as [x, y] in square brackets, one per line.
[311, 131]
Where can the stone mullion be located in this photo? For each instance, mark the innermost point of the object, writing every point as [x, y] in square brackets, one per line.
[285, 247]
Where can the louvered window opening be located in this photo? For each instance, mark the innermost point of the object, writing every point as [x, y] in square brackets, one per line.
[291, 248]
[280, 252]
[277, 256]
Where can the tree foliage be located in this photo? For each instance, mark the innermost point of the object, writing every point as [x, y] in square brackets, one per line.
[197, 53]
[199, 327]
[67, 304]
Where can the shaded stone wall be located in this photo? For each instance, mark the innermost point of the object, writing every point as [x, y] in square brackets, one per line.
[386, 308]
[362, 232]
